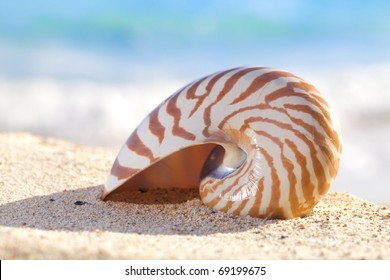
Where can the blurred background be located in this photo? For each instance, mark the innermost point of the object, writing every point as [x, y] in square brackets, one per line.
[90, 71]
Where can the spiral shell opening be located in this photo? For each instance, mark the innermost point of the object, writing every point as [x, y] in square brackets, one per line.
[223, 161]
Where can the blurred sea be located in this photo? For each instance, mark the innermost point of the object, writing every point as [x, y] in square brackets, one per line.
[90, 71]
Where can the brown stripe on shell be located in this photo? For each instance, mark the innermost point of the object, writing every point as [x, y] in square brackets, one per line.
[261, 106]
[208, 89]
[191, 94]
[288, 91]
[317, 137]
[255, 209]
[321, 119]
[306, 182]
[320, 141]
[175, 112]
[135, 144]
[259, 82]
[122, 172]
[316, 100]
[289, 167]
[273, 208]
[155, 126]
[317, 166]
[229, 84]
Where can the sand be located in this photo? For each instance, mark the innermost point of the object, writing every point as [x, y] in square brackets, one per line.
[50, 208]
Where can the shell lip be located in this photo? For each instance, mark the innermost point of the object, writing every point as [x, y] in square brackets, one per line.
[104, 193]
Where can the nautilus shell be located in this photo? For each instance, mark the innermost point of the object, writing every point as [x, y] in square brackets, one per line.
[256, 141]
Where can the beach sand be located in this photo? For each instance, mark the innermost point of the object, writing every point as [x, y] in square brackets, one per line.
[50, 208]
